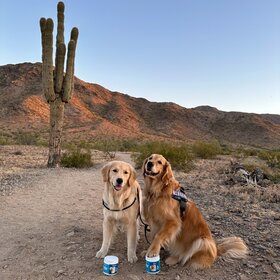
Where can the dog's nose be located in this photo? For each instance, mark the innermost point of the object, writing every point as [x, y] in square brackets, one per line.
[119, 181]
[149, 165]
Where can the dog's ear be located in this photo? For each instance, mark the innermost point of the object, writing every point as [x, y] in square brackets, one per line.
[132, 176]
[167, 174]
[105, 172]
[143, 166]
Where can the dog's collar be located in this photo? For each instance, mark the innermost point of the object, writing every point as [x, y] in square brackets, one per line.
[117, 210]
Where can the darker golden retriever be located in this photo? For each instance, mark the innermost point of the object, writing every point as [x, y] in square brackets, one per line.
[185, 235]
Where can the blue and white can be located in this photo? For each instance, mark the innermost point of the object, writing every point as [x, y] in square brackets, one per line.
[111, 265]
[153, 265]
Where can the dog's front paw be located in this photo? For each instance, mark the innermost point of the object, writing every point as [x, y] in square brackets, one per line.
[132, 258]
[153, 252]
[101, 254]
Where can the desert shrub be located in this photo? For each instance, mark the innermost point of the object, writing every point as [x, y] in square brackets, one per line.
[271, 194]
[271, 157]
[5, 140]
[77, 158]
[179, 156]
[128, 145]
[274, 178]
[110, 145]
[27, 138]
[206, 150]
[225, 149]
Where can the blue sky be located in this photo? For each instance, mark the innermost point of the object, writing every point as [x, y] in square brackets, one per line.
[222, 53]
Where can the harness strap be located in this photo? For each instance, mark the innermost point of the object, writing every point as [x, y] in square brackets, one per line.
[117, 210]
[181, 197]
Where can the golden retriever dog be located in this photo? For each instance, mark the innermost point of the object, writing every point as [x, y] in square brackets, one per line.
[121, 204]
[185, 235]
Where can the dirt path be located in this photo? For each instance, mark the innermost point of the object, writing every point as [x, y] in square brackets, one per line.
[51, 228]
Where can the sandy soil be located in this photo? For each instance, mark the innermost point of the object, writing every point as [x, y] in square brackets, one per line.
[51, 222]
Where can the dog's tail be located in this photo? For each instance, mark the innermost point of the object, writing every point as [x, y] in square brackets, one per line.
[232, 248]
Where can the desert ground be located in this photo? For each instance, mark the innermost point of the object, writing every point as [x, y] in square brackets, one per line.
[51, 221]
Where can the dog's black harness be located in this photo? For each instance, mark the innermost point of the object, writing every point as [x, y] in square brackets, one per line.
[117, 210]
[181, 197]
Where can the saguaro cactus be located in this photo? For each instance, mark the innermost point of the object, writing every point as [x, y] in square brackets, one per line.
[57, 86]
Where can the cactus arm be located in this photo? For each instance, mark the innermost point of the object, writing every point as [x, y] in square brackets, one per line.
[60, 48]
[74, 34]
[60, 24]
[59, 66]
[47, 71]
[68, 84]
[68, 79]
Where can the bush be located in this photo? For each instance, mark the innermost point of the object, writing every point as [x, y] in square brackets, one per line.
[275, 178]
[179, 156]
[27, 138]
[5, 140]
[271, 157]
[77, 158]
[206, 150]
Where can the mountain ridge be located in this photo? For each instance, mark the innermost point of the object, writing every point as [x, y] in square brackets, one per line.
[95, 110]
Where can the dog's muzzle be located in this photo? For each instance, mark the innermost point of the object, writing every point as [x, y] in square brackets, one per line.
[150, 173]
[118, 184]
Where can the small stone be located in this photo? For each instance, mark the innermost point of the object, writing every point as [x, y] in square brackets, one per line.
[71, 233]
[250, 265]
[243, 277]
[276, 267]
[177, 277]
[260, 247]
[271, 252]
[5, 266]
[59, 272]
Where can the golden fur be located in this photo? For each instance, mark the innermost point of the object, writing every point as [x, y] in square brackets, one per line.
[118, 195]
[188, 239]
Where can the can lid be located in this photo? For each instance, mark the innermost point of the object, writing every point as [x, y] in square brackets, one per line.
[153, 259]
[111, 260]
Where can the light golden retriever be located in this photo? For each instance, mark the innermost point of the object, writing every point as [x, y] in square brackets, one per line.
[187, 237]
[121, 201]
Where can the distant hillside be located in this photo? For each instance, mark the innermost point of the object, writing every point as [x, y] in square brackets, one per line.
[95, 110]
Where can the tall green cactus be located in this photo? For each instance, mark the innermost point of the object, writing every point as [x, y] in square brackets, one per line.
[57, 86]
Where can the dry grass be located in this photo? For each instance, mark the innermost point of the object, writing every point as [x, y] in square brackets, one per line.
[255, 193]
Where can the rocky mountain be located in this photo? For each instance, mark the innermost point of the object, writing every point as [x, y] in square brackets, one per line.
[95, 111]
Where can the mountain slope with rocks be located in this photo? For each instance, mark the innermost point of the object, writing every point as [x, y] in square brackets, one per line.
[95, 110]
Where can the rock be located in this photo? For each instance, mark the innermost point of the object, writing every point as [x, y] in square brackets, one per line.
[276, 267]
[59, 273]
[271, 252]
[177, 277]
[243, 277]
[71, 233]
[250, 265]
[260, 247]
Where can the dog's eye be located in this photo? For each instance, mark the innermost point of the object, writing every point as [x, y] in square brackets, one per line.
[115, 170]
[159, 162]
[150, 158]
[125, 172]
